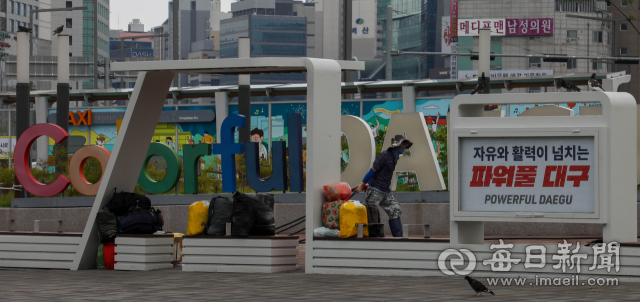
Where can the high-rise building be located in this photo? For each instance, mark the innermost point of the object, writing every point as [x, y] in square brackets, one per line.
[276, 29]
[215, 17]
[627, 43]
[16, 13]
[407, 35]
[136, 26]
[541, 27]
[79, 25]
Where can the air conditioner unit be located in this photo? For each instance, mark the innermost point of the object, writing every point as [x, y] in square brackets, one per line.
[572, 39]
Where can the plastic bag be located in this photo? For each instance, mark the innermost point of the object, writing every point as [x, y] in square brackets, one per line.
[352, 213]
[243, 215]
[222, 214]
[198, 216]
[339, 191]
[325, 232]
[109, 253]
[331, 214]
[264, 224]
[107, 223]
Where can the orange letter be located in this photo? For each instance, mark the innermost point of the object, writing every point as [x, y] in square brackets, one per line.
[72, 119]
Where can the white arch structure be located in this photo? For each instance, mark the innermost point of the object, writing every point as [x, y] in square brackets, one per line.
[147, 100]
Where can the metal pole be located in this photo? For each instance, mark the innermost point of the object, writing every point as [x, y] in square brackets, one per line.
[62, 100]
[347, 33]
[31, 34]
[270, 128]
[244, 92]
[122, 61]
[95, 44]
[484, 56]
[22, 91]
[176, 29]
[389, 46]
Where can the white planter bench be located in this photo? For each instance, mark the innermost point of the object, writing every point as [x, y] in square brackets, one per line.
[38, 250]
[240, 255]
[138, 252]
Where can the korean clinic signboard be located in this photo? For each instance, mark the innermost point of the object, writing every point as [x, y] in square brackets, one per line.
[528, 174]
[470, 74]
[507, 27]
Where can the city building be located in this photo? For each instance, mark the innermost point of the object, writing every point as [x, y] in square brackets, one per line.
[79, 25]
[136, 26]
[627, 42]
[277, 28]
[16, 13]
[540, 27]
[203, 50]
[215, 17]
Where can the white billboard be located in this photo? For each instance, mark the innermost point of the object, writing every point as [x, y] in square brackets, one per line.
[4, 146]
[527, 174]
[365, 19]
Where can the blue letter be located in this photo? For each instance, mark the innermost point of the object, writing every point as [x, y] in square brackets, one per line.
[278, 179]
[227, 150]
[294, 125]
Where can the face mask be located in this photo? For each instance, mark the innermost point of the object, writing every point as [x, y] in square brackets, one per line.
[401, 150]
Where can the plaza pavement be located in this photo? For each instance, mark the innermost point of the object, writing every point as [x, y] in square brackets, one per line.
[175, 285]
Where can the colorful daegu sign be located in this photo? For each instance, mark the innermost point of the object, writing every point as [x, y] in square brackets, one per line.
[227, 150]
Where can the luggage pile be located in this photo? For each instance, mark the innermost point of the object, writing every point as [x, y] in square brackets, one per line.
[341, 216]
[125, 213]
[249, 215]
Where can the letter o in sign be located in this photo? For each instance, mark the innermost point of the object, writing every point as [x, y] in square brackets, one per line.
[76, 168]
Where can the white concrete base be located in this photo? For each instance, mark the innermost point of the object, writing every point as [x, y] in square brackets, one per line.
[222, 254]
[38, 250]
[143, 252]
[414, 258]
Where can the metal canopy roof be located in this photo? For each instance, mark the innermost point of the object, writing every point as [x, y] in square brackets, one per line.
[301, 89]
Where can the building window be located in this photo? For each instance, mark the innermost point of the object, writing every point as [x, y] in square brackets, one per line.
[35, 14]
[535, 62]
[70, 40]
[535, 38]
[623, 3]
[572, 35]
[572, 64]
[623, 51]
[17, 8]
[596, 65]
[69, 3]
[69, 23]
[11, 4]
[623, 26]
[35, 31]
[24, 10]
[597, 36]
[11, 25]
[70, 55]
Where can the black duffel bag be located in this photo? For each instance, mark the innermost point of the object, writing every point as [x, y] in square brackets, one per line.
[123, 202]
[264, 224]
[243, 215]
[142, 221]
[253, 215]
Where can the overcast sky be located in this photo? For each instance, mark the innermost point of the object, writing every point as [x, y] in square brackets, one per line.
[150, 12]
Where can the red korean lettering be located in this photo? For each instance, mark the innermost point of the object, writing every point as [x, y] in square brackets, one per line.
[525, 176]
[503, 175]
[477, 180]
[584, 175]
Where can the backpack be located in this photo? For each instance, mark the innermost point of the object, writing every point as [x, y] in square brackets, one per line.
[142, 221]
[243, 215]
[373, 217]
[264, 223]
[123, 202]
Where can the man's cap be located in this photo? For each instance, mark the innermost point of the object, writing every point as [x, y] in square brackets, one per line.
[398, 139]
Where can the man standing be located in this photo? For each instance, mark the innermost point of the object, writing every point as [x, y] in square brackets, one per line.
[379, 180]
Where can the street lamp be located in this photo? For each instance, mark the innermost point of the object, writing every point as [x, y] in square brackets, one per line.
[44, 11]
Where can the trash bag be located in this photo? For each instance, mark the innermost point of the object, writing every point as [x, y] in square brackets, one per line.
[221, 215]
[325, 232]
[107, 223]
[352, 213]
[109, 253]
[264, 224]
[331, 214]
[100, 258]
[339, 191]
[198, 216]
[243, 215]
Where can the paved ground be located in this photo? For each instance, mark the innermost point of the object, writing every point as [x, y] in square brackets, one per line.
[174, 285]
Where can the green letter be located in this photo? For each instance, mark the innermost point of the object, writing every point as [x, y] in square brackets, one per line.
[174, 169]
[191, 154]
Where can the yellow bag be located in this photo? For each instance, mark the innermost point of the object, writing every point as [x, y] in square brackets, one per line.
[352, 213]
[198, 216]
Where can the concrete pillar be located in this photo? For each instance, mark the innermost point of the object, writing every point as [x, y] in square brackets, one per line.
[62, 98]
[42, 113]
[23, 88]
[222, 110]
[484, 62]
[408, 99]
[244, 92]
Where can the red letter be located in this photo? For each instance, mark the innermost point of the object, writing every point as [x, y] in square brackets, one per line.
[21, 158]
[478, 176]
[546, 181]
[584, 176]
